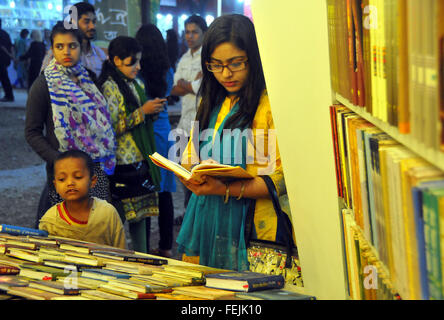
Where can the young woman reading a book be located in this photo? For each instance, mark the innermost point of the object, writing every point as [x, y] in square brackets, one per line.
[233, 97]
[135, 180]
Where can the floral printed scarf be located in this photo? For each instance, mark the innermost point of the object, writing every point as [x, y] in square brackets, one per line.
[80, 114]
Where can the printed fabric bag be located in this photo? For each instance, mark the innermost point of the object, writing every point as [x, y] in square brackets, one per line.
[131, 184]
[274, 257]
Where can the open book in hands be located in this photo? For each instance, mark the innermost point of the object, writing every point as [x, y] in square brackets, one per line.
[204, 169]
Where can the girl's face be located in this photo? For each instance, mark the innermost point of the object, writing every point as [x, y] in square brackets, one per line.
[129, 67]
[66, 49]
[229, 65]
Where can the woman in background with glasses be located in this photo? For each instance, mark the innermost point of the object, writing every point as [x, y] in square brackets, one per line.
[234, 121]
[135, 180]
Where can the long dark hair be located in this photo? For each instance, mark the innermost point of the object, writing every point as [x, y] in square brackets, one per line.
[172, 43]
[154, 63]
[122, 47]
[238, 30]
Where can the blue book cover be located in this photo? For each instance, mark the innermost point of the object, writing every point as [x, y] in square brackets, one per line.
[22, 231]
[244, 281]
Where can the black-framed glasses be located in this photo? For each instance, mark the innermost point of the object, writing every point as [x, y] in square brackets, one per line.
[233, 66]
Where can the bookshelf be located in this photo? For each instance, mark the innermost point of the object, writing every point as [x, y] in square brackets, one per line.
[433, 156]
[293, 41]
[302, 82]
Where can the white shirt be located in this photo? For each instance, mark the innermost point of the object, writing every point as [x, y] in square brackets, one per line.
[188, 67]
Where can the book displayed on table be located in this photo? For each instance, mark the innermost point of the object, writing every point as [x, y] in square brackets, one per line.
[50, 269]
[208, 169]
[273, 294]
[244, 281]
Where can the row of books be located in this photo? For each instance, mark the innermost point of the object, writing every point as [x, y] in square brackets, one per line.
[51, 268]
[367, 276]
[395, 197]
[387, 57]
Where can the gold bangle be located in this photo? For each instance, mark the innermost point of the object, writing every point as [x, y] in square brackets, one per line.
[241, 191]
[227, 192]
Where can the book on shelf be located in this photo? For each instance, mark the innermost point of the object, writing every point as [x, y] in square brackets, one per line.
[244, 281]
[196, 173]
[273, 294]
[393, 207]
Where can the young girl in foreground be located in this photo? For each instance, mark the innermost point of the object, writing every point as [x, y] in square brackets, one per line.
[81, 216]
[233, 97]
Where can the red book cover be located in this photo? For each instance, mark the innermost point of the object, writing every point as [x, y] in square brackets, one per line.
[357, 18]
[8, 270]
[336, 150]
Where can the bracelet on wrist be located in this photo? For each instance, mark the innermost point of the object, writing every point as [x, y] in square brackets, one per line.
[227, 192]
[241, 191]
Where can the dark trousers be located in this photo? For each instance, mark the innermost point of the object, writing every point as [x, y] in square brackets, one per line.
[6, 83]
[166, 219]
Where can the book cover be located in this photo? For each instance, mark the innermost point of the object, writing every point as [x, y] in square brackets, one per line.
[16, 230]
[101, 274]
[8, 269]
[54, 287]
[215, 170]
[9, 281]
[131, 257]
[244, 281]
[32, 293]
[204, 292]
[273, 294]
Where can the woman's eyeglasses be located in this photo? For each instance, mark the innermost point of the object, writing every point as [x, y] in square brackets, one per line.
[233, 66]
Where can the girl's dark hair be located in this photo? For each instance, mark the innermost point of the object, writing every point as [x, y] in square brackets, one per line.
[59, 28]
[121, 47]
[154, 63]
[238, 30]
[172, 43]
[77, 154]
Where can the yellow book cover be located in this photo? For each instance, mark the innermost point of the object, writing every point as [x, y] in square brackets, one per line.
[410, 226]
[384, 209]
[196, 173]
[403, 69]
[204, 292]
[32, 293]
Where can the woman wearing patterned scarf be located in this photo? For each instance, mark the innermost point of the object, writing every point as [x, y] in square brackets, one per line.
[64, 111]
[136, 180]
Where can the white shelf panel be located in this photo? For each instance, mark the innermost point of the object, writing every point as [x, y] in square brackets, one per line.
[434, 157]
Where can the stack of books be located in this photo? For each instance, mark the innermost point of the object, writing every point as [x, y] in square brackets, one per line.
[39, 267]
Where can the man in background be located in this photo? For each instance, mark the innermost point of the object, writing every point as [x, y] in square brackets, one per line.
[187, 80]
[6, 54]
[92, 57]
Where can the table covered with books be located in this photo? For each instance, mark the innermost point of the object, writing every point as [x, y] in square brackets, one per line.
[40, 267]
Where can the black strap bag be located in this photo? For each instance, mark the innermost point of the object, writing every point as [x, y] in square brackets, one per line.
[273, 257]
